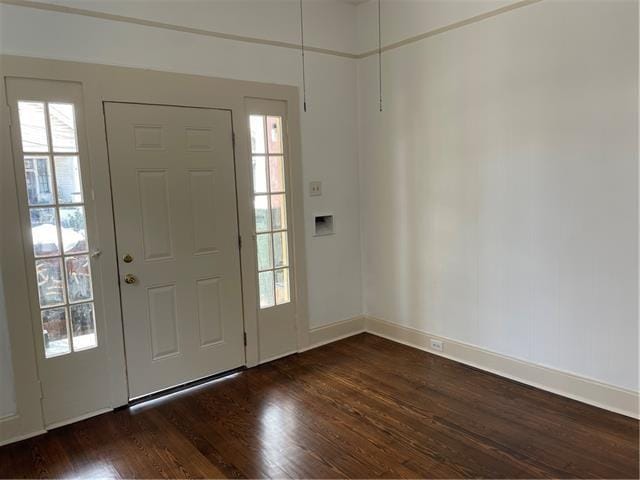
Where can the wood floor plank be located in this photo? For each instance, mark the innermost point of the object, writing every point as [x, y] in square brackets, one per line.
[363, 407]
[522, 422]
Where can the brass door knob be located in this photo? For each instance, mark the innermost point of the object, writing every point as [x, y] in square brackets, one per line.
[130, 279]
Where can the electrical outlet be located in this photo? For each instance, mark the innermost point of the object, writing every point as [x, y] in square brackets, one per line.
[315, 189]
[436, 344]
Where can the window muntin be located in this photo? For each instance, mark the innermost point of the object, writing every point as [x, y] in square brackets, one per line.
[58, 226]
[270, 209]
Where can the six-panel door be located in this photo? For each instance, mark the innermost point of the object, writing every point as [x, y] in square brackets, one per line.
[173, 182]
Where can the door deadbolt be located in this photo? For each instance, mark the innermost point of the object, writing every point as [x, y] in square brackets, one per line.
[127, 258]
[130, 279]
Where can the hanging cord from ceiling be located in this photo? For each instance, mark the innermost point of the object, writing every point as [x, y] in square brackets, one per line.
[379, 53]
[304, 77]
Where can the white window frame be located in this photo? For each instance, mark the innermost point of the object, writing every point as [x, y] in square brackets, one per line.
[269, 194]
[50, 154]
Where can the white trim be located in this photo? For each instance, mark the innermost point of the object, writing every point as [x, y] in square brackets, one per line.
[586, 390]
[21, 437]
[335, 331]
[79, 418]
[451, 26]
[8, 417]
[52, 7]
[277, 357]
[329, 333]
[28, 414]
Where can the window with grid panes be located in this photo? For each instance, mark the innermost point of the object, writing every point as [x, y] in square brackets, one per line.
[58, 226]
[270, 208]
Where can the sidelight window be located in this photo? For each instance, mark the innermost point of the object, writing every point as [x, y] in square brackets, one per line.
[58, 226]
[270, 207]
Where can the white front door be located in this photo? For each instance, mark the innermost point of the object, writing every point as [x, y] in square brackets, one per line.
[174, 198]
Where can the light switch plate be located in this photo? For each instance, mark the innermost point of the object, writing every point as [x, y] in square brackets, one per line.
[315, 189]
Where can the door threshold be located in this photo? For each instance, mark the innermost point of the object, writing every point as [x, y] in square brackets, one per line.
[182, 388]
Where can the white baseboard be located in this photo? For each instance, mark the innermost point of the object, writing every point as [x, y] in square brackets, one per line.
[592, 392]
[335, 331]
[85, 416]
[22, 437]
[277, 357]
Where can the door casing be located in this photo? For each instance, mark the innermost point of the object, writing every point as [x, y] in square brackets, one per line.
[101, 83]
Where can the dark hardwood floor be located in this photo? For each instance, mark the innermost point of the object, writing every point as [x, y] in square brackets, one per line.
[361, 407]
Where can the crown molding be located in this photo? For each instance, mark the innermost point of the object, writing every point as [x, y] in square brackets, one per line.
[261, 41]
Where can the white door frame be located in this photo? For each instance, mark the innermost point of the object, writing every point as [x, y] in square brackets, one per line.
[102, 83]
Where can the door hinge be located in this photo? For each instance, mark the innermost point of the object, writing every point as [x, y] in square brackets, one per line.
[240, 242]
[233, 139]
[244, 337]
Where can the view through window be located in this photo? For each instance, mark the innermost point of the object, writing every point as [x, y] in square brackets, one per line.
[58, 226]
[270, 205]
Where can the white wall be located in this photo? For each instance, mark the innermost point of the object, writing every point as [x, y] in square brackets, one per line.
[499, 187]
[328, 128]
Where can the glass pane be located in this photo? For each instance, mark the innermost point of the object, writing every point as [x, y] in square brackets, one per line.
[274, 134]
[260, 174]
[280, 250]
[32, 127]
[265, 260]
[79, 278]
[278, 212]
[266, 289]
[37, 171]
[276, 174]
[256, 123]
[63, 127]
[83, 326]
[282, 286]
[261, 205]
[74, 230]
[49, 278]
[68, 180]
[54, 331]
[44, 232]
